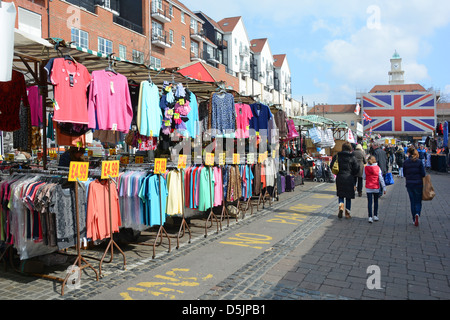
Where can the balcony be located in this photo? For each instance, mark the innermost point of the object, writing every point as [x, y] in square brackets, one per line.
[244, 52]
[161, 14]
[244, 68]
[212, 57]
[197, 56]
[269, 67]
[128, 24]
[199, 36]
[161, 39]
[221, 44]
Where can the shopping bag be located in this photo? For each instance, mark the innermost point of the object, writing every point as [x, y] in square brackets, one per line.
[335, 168]
[428, 190]
[388, 179]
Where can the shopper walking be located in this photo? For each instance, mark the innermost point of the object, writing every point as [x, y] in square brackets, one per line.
[345, 179]
[382, 161]
[374, 182]
[360, 156]
[400, 159]
[414, 171]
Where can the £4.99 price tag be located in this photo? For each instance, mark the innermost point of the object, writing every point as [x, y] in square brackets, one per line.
[160, 166]
[182, 159]
[209, 161]
[78, 171]
[110, 169]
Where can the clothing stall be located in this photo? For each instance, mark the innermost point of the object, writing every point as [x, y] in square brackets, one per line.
[72, 96]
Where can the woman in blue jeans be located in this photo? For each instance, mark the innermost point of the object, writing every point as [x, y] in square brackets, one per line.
[414, 171]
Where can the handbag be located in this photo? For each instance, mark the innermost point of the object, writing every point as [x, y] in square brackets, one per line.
[335, 168]
[428, 190]
[388, 179]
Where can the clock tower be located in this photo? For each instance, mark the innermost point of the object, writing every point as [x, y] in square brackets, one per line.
[396, 75]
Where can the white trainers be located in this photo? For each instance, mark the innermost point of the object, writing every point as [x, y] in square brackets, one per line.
[375, 218]
[370, 220]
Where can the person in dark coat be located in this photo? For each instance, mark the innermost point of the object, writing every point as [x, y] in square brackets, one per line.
[380, 156]
[400, 159]
[361, 158]
[414, 171]
[345, 179]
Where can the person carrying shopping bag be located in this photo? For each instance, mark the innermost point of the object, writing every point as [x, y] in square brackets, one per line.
[414, 171]
[374, 181]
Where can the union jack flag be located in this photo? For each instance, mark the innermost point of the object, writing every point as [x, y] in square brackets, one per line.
[400, 112]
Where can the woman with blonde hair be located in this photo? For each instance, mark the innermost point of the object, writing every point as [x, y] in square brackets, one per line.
[414, 171]
[374, 180]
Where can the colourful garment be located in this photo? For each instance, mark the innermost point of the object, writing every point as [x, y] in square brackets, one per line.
[35, 100]
[223, 115]
[11, 94]
[151, 116]
[243, 116]
[109, 102]
[206, 189]
[71, 81]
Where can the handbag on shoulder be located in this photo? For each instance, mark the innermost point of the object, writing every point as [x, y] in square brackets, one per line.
[428, 192]
[335, 168]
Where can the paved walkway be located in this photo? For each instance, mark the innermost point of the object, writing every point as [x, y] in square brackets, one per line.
[328, 258]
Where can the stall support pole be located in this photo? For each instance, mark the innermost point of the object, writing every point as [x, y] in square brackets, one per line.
[211, 213]
[44, 93]
[184, 224]
[111, 243]
[161, 229]
[79, 258]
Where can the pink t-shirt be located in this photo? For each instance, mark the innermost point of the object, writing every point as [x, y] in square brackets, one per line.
[243, 116]
[109, 102]
[71, 81]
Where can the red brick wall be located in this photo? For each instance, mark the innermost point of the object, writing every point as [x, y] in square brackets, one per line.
[64, 15]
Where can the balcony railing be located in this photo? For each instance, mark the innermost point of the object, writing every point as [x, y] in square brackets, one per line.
[197, 56]
[161, 14]
[89, 5]
[128, 24]
[222, 44]
[244, 52]
[161, 39]
[212, 57]
[199, 35]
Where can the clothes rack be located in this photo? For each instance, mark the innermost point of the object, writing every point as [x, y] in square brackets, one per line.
[111, 243]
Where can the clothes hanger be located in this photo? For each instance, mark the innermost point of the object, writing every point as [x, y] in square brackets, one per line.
[109, 67]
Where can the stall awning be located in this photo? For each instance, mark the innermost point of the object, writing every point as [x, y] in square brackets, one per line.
[315, 120]
[197, 71]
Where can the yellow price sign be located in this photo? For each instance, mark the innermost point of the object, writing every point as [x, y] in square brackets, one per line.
[262, 157]
[222, 159]
[125, 160]
[110, 169]
[78, 171]
[10, 157]
[139, 159]
[236, 158]
[160, 166]
[112, 152]
[209, 161]
[182, 161]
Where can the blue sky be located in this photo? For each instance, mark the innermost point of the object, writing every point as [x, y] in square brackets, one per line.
[338, 48]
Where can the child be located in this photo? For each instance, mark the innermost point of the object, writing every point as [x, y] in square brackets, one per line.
[374, 179]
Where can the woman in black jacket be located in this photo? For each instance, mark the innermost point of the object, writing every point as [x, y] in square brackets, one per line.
[414, 172]
[345, 179]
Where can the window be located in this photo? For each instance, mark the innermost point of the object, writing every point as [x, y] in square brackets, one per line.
[157, 29]
[171, 10]
[194, 48]
[182, 17]
[104, 45]
[194, 25]
[80, 38]
[155, 62]
[171, 36]
[122, 52]
[138, 56]
[183, 41]
[30, 22]
[157, 5]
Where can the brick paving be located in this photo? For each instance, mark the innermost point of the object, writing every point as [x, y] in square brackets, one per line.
[327, 258]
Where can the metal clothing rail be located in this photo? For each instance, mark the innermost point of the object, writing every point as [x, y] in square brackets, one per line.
[80, 259]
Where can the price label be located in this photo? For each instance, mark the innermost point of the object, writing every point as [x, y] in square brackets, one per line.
[78, 170]
[10, 157]
[176, 116]
[90, 153]
[112, 152]
[251, 158]
[236, 158]
[110, 169]
[125, 160]
[209, 161]
[182, 160]
[160, 166]
[222, 159]
[274, 154]
[262, 157]
[139, 159]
